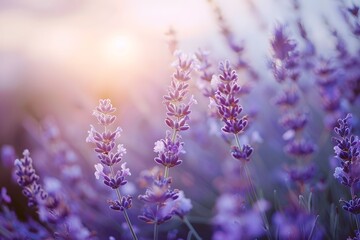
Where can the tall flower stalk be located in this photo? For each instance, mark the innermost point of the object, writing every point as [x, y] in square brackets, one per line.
[52, 209]
[162, 202]
[229, 109]
[286, 71]
[110, 156]
[347, 150]
[226, 101]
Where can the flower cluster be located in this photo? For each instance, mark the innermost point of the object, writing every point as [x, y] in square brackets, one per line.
[286, 66]
[28, 180]
[178, 111]
[234, 221]
[162, 202]
[229, 109]
[295, 222]
[285, 62]
[109, 156]
[51, 207]
[156, 198]
[347, 149]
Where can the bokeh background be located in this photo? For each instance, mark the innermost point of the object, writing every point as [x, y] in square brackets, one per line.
[57, 58]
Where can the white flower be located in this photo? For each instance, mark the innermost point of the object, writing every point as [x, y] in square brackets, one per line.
[90, 137]
[192, 100]
[121, 149]
[288, 135]
[337, 150]
[338, 172]
[212, 105]
[17, 162]
[159, 146]
[52, 185]
[99, 170]
[118, 132]
[126, 171]
[215, 81]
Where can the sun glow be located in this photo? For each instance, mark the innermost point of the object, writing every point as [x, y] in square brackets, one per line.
[119, 50]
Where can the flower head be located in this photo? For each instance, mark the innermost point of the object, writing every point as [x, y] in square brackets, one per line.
[99, 170]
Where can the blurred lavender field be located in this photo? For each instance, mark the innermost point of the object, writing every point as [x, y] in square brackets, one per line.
[179, 119]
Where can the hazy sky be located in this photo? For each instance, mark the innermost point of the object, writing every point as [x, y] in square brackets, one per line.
[111, 41]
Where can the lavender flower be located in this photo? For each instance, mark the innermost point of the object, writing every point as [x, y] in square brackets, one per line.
[159, 198]
[352, 206]
[347, 149]
[296, 223]
[4, 197]
[229, 109]
[227, 101]
[327, 80]
[156, 197]
[105, 143]
[28, 180]
[286, 70]
[178, 111]
[109, 156]
[51, 207]
[285, 56]
[234, 221]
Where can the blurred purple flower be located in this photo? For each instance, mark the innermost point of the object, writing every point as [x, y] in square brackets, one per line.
[8, 155]
[4, 197]
[29, 180]
[347, 149]
[234, 221]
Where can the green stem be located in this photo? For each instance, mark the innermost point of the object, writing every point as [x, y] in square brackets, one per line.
[156, 231]
[313, 227]
[166, 172]
[126, 216]
[253, 191]
[191, 228]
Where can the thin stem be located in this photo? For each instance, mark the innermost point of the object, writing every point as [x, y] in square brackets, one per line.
[253, 191]
[191, 228]
[313, 228]
[237, 140]
[166, 174]
[173, 137]
[156, 231]
[124, 212]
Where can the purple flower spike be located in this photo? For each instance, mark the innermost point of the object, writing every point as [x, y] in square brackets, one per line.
[177, 113]
[153, 215]
[160, 192]
[227, 101]
[29, 180]
[109, 156]
[4, 196]
[352, 206]
[347, 149]
[242, 154]
[281, 44]
[124, 203]
[300, 148]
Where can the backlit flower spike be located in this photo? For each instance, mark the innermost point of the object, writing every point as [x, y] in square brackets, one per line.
[347, 150]
[110, 154]
[29, 180]
[229, 109]
[177, 112]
